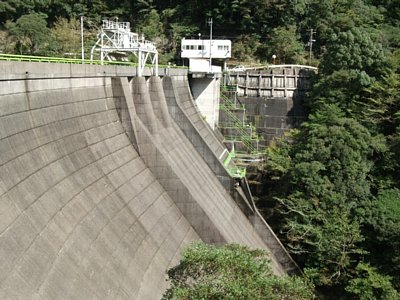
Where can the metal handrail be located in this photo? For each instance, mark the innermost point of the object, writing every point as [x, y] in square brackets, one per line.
[236, 172]
[237, 124]
[66, 60]
[32, 58]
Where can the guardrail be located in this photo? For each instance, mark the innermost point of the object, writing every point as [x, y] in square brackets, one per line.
[65, 60]
[235, 172]
[49, 59]
[227, 106]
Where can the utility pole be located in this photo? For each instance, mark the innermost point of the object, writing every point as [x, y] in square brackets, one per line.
[312, 31]
[82, 48]
[210, 23]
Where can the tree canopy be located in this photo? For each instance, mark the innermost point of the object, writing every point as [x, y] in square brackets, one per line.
[231, 272]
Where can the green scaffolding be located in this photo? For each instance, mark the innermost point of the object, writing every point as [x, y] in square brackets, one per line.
[242, 132]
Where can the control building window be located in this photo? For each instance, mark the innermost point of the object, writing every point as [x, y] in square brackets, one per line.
[223, 47]
[193, 47]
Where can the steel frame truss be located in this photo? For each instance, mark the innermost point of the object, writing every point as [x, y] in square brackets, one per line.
[116, 41]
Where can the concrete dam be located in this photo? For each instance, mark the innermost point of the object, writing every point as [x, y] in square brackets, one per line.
[105, 177]
[273, 98]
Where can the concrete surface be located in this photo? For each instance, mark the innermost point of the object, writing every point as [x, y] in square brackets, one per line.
[100, 189]
[273, 98]
[206, 95]
[81, 215]
[186, 115]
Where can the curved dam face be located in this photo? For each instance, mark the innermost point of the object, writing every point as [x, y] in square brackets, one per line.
[100, 188]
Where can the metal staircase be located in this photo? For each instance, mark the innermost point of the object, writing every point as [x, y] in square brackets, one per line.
[239, 135]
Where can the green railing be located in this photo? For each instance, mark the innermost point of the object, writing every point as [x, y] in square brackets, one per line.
[236, 172]
[239, 126]
[228, 106]
[65, 60]
[49, 59]
[230, 88]
[231, 104]
[240, 132]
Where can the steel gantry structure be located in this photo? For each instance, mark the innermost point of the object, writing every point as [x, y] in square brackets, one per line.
[116, 41]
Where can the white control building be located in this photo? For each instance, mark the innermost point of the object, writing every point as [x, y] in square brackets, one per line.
[204, 76]
[201, 52]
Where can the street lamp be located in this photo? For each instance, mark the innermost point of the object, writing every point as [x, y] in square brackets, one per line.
[210, 23]
[82, 48]
[312, 31]
[273, 58]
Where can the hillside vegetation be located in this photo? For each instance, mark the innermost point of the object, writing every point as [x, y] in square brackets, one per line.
[332, 187]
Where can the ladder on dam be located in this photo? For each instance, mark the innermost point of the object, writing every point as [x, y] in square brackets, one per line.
[116, 41]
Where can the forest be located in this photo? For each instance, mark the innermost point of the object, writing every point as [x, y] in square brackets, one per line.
[330, 188]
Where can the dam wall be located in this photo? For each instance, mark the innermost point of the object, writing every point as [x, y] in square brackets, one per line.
[273, 98]
[101, 188]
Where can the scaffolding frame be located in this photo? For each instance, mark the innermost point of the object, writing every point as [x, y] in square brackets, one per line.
[116, 40]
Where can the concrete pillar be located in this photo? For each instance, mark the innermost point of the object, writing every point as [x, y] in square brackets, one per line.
[206, 93]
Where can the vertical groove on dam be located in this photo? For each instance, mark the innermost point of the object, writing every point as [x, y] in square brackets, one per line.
[100, 189]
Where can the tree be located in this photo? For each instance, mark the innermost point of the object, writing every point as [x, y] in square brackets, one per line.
[31, 34]
[327, 195]
[354, 60]
[354, 49]
[67, 35]
[371, 285]
[382, 103]
[330, 17]
[285, 45]
[13, 9]
[244, 47]
[331, 156]
[344, 88]
[231, 272]
[383, 234]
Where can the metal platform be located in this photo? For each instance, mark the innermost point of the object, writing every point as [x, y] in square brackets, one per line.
[116, 41]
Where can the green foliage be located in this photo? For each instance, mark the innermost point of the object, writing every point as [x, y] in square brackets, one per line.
[32, 35]
[344, 88]
[332, 242]
[151, 25]
[370, 285]
[243, 48]
[353, 50]
[328, 165]
[382, 103]
[354, 61]
[278, 158]
[261, 22]
[384, 233]
[331, 156]
[67, 35]
[330, 17]
[231, 272]
[286, 46]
